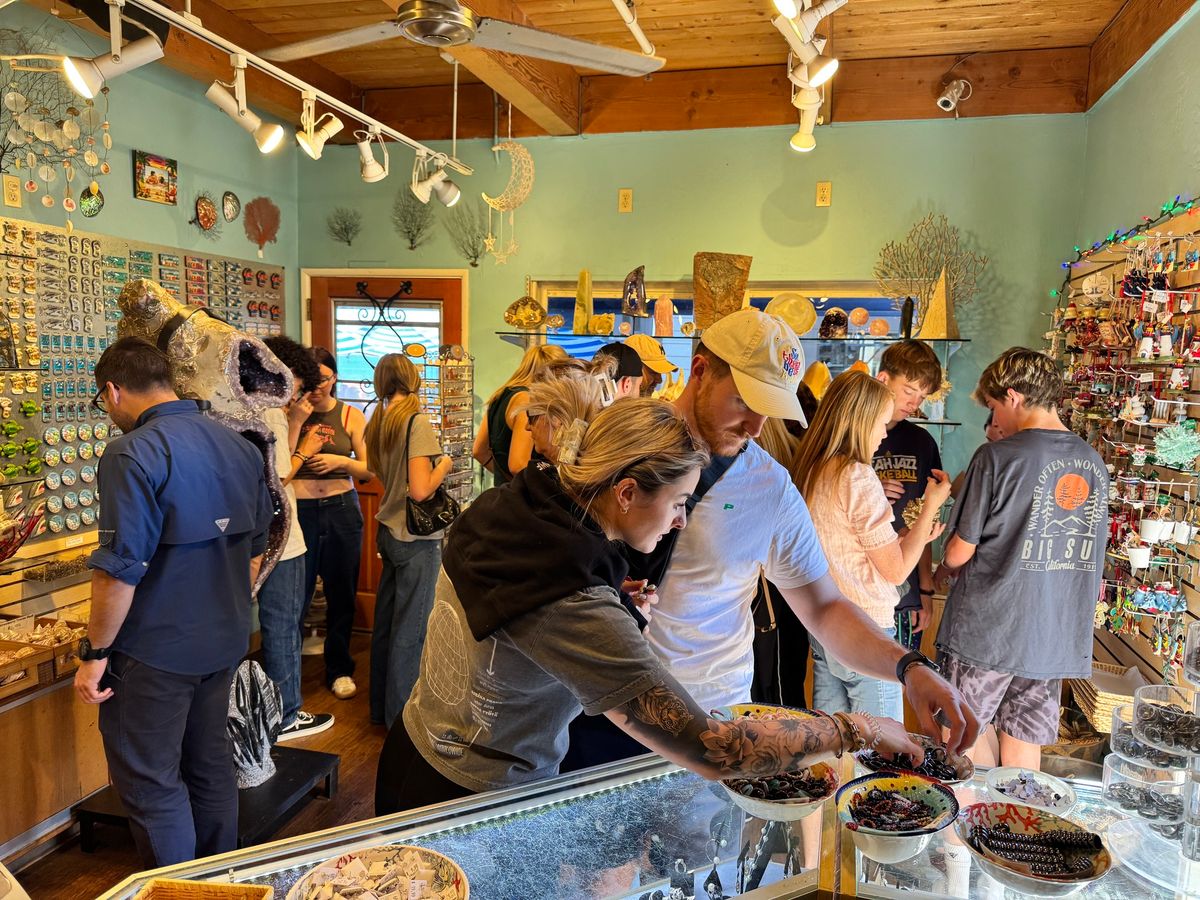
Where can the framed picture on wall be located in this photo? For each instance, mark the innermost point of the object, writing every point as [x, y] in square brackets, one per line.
[155, 178]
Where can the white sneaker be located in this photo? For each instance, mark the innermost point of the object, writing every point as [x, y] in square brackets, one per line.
[344, 687]
[305, 725]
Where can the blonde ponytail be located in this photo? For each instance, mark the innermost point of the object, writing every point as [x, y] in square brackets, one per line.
[397, 385]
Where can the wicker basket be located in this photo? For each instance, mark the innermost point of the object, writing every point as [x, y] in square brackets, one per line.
[1098, 704]
[171, 889]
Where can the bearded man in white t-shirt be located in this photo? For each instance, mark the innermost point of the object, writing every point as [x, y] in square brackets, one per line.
[753, 520]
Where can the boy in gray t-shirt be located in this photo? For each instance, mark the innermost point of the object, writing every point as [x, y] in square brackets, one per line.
[1027, 545]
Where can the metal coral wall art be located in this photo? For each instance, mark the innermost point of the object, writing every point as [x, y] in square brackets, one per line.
[261, 221]
[914, 266]
[467, 226]
[411, 218]
[344, 224]
[205, 216]
[48, 134]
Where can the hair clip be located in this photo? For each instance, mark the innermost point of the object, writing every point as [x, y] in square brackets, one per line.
[568, 441]
[608, 390]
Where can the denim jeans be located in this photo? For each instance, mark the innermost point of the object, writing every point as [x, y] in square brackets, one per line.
[837, 688]
[332, 530]
[406, 588]
[280, 610]
[170, 759]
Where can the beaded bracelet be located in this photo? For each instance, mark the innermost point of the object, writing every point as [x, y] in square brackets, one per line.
[874, 723]
[301, 455]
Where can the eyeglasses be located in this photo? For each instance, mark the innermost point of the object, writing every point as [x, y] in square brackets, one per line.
[326, 380]
[98, 401]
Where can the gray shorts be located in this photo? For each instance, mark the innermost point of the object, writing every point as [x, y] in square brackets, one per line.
[1024, 708]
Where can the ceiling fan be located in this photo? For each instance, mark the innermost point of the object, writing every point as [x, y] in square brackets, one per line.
[447, 23]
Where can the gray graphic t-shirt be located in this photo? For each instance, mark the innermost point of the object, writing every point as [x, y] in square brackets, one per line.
[494, 713]
[1036, 506]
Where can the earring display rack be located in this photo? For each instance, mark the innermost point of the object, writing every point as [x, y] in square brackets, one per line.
[448, 396]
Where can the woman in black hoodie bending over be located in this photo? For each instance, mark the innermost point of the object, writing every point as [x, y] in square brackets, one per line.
[527, 630]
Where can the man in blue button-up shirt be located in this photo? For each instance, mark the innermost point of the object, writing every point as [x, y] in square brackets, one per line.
[183, 525]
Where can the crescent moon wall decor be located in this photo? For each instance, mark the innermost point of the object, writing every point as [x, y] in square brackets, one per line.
[515, 193]
[520, 181]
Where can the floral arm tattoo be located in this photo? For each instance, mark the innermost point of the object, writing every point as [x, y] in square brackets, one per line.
[668, 721]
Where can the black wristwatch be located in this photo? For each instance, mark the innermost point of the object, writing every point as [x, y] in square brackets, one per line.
[87, 652]
[915, 658]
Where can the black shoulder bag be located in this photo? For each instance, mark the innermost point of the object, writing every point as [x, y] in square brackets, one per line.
[426, 517]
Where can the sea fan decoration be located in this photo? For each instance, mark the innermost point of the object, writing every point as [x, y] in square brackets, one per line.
[344, 224]
[261, 220]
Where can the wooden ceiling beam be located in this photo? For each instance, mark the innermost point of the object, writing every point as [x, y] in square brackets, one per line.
[197, 59]
[546, 92]
[1010, 83]
[1127, 38]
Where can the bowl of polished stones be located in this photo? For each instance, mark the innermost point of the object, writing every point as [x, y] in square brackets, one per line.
[894, 816]
[1163, 718]
[1009, 784]
[778, 798]
[391, 870]
[1032, 851]
[940, 764]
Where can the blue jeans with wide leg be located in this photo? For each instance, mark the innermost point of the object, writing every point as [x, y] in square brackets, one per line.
[406, 589]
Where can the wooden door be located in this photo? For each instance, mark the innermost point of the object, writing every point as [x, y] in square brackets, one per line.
[326, 293]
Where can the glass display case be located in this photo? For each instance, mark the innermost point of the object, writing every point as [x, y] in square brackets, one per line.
[630, 829]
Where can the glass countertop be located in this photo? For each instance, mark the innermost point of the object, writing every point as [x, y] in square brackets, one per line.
[628, 830]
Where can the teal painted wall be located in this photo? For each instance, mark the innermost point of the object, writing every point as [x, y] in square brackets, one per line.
[1143, 137]
[1009, 184]
[157, 110]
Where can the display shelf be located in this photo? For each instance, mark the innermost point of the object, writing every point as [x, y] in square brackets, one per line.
[861, 338]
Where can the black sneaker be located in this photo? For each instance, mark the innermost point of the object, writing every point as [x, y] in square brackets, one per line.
[306, 725]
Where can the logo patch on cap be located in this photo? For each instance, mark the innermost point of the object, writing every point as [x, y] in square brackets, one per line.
[791, 361]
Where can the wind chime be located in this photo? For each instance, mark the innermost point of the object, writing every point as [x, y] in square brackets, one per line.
[47, 134]
[515, 193]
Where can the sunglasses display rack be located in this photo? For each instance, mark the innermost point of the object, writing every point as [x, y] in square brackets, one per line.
[58, 313]
[447, 395]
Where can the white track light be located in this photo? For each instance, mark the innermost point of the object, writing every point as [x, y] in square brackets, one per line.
[807, 101]
[370, 170]
[267, 135]
[786, 8]
[87, 76]
[810, 52]
[808, 20]
[438, 182]
[312, 134]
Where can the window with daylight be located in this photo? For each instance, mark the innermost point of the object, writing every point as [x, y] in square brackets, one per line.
[363, 332]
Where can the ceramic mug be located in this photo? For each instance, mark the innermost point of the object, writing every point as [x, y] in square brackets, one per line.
[1139, 558]
[1184, 533]
[1139, 454]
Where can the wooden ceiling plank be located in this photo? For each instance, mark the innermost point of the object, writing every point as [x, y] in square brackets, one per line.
[1126, 40]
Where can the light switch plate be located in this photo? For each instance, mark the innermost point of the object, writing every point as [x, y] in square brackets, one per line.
[824, 193]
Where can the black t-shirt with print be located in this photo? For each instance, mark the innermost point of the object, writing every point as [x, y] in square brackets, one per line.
[908, 454]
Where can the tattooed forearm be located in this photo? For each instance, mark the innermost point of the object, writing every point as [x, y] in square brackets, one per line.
[669, 722]
[662, 708]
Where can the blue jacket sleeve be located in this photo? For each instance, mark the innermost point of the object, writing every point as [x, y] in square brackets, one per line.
[130, 519]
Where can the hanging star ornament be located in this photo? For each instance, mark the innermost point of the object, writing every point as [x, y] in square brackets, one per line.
[489, 243]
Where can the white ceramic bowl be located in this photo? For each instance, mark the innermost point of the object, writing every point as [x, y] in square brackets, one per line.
[1003, 774]
[449, 877]
[786, 810]
[963, 767]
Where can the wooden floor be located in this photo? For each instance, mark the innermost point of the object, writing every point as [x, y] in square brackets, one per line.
[68, 872]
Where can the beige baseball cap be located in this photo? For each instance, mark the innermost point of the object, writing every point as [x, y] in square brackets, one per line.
[766, 359]
[652, 354]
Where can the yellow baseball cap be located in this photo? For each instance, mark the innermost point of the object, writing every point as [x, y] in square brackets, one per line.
[651, 353]
[766, 359]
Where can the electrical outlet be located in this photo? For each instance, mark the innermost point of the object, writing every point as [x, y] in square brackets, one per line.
[824, 193]
[625, 200]
[12, 191]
